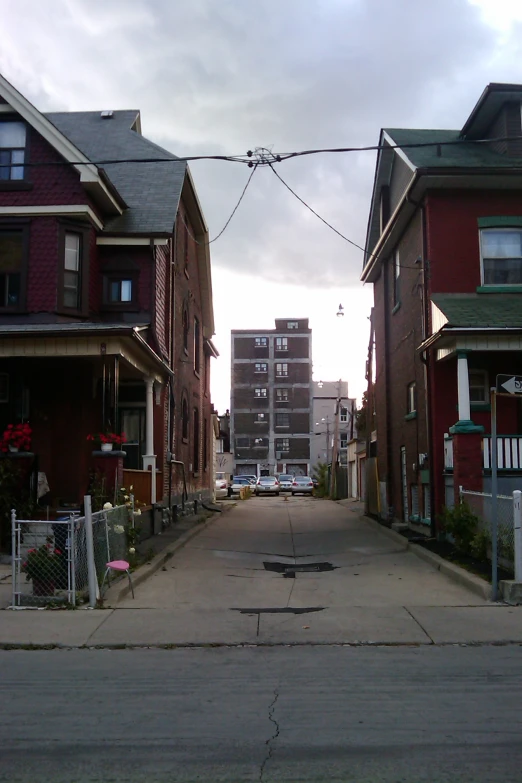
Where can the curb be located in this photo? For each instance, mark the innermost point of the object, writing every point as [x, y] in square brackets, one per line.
[459, 575]
[149, 569]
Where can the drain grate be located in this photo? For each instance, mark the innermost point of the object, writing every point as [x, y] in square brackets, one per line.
[280, 610]
[286, 569]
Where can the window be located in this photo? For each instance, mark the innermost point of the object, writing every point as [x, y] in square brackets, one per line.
[261, 367]
[281, 395]
[259, 392]
[478, 386]
[282, 444]
[11, 260]
[501, 257]
[292, 325]
[72, 271]
[185, 330]
[396, 278]
[12, 150]
[197, 345]
[4, 387]
[119, 291]
[344, 440]
[261, 342]
[184, 419]
[195, 445]
[281, 343]
[185, 245]
[260, 443]
[412, 397]
[344, 414]
[261, 418]
[282, 370]
[242, 443]
[205, 444]
[282, 419]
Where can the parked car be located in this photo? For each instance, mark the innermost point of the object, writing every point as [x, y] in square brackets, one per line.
[251, 477]
[302, 484]
[266, 485]
[285, 481]
[221, 488]
[238, 482]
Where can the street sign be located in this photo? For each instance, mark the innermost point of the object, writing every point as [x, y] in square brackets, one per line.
[509, 384]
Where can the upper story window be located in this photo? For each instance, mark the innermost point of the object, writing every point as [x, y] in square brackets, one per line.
[281, 395]
[184, 419]
[11, 264]
[282, 444]
[344, 440]
[261, 418]
[396, 278]
[344, 414]
[501, 251]
[260, 392]
[185, 330]
[197, 345]
[281, 343]
[72, 270]
[282, 419]
[412, 397]
[261, 342]
[282, 370]
[261, 367]
[12, 150]
[292, 325]
[478, 386]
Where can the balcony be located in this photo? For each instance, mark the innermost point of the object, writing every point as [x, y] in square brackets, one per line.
[509, 452]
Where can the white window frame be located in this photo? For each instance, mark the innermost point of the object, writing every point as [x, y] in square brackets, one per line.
[484, 385]
[412, 397]
[286, 426]
[16, 172]
[261, 342]
[260, 393]
[499, 229]
[281, 343]
[280, 371]
[283, 444]
[261, 418]
[344, 414]
[279, 396]
[261, 367]
[292, 324]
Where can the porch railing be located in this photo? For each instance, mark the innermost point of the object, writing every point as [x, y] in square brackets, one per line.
[509, 452]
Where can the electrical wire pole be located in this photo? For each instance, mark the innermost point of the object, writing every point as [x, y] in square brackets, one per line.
[335, 449]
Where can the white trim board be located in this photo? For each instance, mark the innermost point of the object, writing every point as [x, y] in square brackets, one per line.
[131, 241]
[59, 210]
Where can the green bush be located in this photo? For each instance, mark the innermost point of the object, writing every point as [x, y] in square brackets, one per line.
[320, 473]
[462, 524]
[480, 544]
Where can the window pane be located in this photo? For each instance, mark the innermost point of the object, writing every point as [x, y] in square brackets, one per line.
[11, 251]
[13, 289]
[72, 252]
[114, 290]
[12, 134]
[126, 290]
[17, 156]
[70, 298]
[501, 244]
[502, 271]
[3, 290]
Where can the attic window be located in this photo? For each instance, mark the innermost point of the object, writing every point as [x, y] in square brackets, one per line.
[107, 115]
[501, 256]
[12, 150]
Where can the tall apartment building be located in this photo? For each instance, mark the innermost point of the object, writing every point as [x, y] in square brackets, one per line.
[271, 398]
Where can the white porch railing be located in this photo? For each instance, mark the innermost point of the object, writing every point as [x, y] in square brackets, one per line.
[509, 452]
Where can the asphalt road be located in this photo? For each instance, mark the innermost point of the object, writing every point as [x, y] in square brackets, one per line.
[438, 713]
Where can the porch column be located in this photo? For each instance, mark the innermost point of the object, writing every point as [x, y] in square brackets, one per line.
[463, 387]
[149, 458]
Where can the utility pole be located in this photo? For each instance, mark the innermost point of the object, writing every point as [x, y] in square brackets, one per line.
[335, 450]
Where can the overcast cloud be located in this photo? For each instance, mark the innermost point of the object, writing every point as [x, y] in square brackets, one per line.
[225, 77]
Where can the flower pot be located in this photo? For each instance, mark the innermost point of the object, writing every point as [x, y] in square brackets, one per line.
[13, 448]
[43, 587]
[106, 446]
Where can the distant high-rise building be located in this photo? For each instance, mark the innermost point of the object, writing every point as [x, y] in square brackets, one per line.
[271, 398]
[329, 397]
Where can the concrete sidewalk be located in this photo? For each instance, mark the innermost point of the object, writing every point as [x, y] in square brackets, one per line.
[220, 589]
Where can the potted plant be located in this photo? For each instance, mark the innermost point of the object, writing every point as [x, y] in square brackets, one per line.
[105, 441]
[16, 437]
[43, 567]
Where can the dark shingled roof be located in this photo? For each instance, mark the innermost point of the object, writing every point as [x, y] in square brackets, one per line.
[151, 190]
[481, 310]
[463, 154]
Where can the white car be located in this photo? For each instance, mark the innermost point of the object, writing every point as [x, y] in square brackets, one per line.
[285, 481]
[221, 488]
[238, 482]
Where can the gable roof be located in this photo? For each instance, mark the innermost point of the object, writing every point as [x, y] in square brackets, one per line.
[151, 190]
[488, 311]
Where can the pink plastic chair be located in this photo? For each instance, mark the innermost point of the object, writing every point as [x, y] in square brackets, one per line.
[116, 565]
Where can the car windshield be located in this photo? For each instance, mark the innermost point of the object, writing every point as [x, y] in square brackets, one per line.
[241, 480]
[285, 478]
[302, 480]
[267, 480]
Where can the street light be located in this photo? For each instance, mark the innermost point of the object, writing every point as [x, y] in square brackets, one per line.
[340, 311]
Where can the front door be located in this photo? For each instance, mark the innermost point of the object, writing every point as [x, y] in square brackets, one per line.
[404, 481]
[133, 425]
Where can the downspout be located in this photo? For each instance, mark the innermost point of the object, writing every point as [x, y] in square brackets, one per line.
[387, 386]
[171, 397]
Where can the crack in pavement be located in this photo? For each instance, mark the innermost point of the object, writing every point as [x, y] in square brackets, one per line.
[270, 740]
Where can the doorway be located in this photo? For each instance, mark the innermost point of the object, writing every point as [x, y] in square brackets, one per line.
[133, 425]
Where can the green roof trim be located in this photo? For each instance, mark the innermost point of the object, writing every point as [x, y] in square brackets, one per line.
[496, 310]
[500, 221]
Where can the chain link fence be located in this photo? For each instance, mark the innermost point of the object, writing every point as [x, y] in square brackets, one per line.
[480, 503]
[49, 558]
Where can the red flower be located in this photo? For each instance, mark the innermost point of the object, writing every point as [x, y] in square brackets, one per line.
[57, 552]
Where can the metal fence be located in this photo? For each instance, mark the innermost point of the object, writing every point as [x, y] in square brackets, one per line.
[49, 558]
[480, 504]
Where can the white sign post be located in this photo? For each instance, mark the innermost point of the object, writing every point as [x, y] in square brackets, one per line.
[517, 521]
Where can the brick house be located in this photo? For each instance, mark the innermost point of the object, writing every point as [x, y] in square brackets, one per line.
[444, 254]
[271, 398]
[106, 312]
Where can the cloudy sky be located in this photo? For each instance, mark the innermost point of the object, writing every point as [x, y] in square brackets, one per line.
[225, 76]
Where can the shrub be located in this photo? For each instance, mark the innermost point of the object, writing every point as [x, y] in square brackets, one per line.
[461, 524]
[320, 473]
